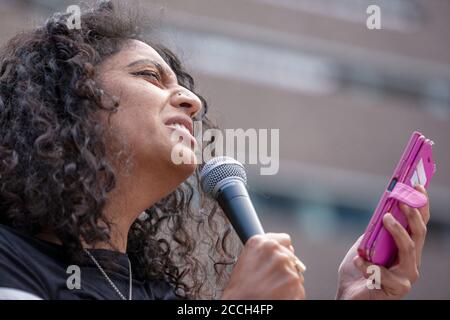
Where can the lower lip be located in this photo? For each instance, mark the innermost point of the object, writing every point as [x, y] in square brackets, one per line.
[185, 134]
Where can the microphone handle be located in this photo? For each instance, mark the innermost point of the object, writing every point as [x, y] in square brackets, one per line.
[234, 200]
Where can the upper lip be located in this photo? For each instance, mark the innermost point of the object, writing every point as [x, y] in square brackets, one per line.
[184, 120]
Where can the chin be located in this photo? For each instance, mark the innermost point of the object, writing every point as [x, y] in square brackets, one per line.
[184, 166]
[186, 170]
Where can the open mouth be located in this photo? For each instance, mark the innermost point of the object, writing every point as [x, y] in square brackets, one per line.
[185, 127]
[181, 127]
[181, 122]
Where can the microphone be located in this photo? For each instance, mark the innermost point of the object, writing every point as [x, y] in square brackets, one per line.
[224, 178]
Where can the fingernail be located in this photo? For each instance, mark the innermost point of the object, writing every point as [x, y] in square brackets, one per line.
[389, 219]
[301, 265]
[292, 248]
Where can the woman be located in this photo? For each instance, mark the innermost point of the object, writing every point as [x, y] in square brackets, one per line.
[92, 207]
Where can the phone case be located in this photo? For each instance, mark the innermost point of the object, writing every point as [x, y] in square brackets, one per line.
[416, 166]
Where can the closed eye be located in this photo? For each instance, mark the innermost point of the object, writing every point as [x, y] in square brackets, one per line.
[148, 75]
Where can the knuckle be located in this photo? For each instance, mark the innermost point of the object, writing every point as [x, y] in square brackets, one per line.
[411, 246]
[415, 275]
[424, 229]
[270, 245]
[255, 241]
[294, 279]
[405, 287]
[285, 236]
[280, 259]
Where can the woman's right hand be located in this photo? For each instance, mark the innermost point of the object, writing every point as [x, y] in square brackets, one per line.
[266, 270]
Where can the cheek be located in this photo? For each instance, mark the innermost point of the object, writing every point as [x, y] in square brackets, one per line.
[138, 123]
[138, 128]
[139, 113]
[143, 134]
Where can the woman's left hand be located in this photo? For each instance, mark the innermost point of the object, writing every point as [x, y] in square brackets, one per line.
[396, 281]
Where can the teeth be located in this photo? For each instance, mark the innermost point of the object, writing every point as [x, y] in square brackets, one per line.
[179, 126]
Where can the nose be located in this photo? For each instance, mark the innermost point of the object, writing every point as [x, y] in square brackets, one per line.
[188, 101]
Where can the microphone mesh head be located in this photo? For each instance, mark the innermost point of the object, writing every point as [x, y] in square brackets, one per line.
[218, 169]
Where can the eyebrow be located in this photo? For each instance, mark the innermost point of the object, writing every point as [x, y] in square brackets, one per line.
[158, 66]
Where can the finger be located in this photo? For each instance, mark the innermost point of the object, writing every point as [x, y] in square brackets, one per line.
[425, 210]
[362, 265]
[369, 270]
[418, 229]
[284, 265]
[406, 246]
[358, 241]
[282, 238]
[298, 273]
[285, 241]
[298, 265]
[392, 284]
[354, 249]
[351, 253]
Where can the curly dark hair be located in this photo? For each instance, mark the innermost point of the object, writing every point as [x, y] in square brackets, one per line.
[54, 169]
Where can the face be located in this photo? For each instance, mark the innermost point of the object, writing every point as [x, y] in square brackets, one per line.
[153, 109]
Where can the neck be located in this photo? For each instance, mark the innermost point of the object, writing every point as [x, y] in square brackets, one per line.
[134, 192]
[131, 196]
[126, 202]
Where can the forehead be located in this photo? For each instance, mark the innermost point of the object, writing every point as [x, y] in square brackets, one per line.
[135, 50]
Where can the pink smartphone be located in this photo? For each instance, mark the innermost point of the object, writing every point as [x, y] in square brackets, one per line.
[416, 166]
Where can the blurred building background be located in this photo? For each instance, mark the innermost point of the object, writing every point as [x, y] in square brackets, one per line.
[346, 99]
